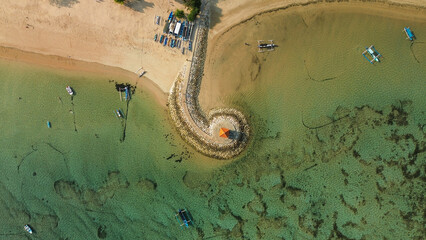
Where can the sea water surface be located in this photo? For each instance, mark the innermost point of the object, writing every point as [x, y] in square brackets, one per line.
[337, 149]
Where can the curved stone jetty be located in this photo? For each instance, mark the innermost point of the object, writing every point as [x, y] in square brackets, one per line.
[197, 128]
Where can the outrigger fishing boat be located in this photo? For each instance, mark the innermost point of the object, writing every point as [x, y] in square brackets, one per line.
[185, 219]
[28, 229]
[69, 90]
[264, 46]
[190, 46]
[373, 54]
[165, 41]
[119, 113]
[155, 37]
[161, 38]
[409, 33]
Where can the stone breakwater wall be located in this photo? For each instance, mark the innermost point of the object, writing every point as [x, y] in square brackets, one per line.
[205, 142]
[196, 75]
[197, 128]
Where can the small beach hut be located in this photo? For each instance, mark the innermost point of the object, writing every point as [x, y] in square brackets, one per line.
[224, 132]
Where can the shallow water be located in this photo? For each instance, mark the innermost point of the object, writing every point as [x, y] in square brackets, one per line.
[69, 180]
[359, 177]
[357, 172]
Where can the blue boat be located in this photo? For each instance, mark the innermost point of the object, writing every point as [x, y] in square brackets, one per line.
[161, 38]
[181, 29]
[409, 33]
[173, 43]
[190, 46]
[155, 37]
[185, 219]
[127, 93]
[49, 125]
[170, 16]
[165, 41]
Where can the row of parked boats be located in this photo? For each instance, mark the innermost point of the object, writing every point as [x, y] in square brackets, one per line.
[178, 28]
[168, 40]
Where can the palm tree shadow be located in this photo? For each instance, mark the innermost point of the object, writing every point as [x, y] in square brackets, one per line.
[138, 5]
[63, 3]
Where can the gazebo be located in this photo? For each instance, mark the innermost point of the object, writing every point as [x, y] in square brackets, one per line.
[224, 132]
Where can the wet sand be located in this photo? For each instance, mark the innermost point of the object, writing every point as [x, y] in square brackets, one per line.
[218, 84]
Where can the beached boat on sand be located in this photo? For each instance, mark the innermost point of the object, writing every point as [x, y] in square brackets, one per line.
[69, 90]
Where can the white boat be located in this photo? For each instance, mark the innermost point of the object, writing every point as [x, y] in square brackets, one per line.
[69, 90]
[28, 229]
[375, 55]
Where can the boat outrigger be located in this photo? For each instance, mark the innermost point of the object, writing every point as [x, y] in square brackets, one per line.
[373, 54]
[185, 219]
[409, 33]
[264, 46]
[28, 229]
[69, 90]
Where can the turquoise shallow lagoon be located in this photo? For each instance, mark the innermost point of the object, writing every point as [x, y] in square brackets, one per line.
[338, 148]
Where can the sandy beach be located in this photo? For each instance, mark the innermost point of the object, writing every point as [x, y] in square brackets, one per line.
[122, 36]
[92, 35]
[335, 147]
[94, 31]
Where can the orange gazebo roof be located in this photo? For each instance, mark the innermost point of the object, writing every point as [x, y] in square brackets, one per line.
[224, 132]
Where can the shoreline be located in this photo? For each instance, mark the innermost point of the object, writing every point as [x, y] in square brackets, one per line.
[77, 66]
[199, 125]
[215, 95]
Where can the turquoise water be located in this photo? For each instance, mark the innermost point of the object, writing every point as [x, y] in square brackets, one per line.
[338, 143]
[360, 177]
[68, 183]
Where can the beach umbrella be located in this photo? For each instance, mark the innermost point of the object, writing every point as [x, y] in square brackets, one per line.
[224, 132]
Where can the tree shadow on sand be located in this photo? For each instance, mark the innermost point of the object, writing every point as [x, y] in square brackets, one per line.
[63, 3]
[215, 13]
[138, 5]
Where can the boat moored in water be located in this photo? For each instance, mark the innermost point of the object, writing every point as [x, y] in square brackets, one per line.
[409, 33]
[28, 229]
[374, 54]
[119, 113]
[69, 90]
[185, 217]
[266, 46]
